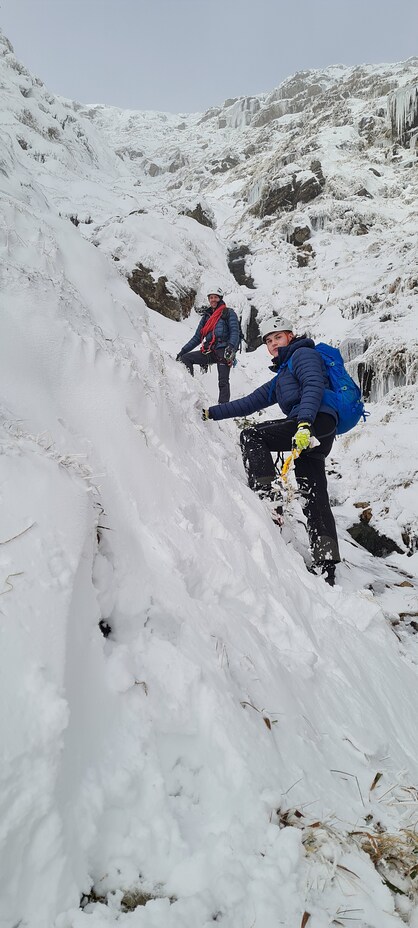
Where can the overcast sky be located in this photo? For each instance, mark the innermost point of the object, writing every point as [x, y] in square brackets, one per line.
[186, 55]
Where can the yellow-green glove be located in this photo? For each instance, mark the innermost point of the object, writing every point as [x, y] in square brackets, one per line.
[302, 437]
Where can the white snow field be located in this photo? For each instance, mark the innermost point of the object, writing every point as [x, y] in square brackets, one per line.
[236, 744]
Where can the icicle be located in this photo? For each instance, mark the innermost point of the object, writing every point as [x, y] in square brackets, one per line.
[403, 110]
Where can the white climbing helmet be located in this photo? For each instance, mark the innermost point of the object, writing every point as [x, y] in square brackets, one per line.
[274, 324]
[214, 288]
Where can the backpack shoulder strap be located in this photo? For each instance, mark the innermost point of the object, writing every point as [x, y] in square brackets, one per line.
[226, 314]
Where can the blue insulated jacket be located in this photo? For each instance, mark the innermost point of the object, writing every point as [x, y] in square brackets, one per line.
[226, 332]
[298, 391]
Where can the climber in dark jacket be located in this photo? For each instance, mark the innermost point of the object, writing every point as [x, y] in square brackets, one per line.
[299, 392]
[218, 335]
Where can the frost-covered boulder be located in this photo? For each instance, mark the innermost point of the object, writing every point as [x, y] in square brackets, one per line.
[200, 213]
[285, 193]
[153, 169]
[157, 296]
[299, 234]
[165, 257]
[252, 330]
[316, 168]
[304, 255]
[236, 262]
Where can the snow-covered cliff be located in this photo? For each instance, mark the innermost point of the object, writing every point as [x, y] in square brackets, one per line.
[195, 730]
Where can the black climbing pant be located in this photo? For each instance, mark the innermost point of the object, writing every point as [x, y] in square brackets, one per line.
[205, 360]
[259, 441]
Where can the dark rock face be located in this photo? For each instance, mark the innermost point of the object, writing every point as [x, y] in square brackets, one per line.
[236, 264]
[299, 235]
[200, 215]
[360, 229]
[367, 536]
[225, 164]
[213, 111]
[286, 196]
[305, 254]
[316, 168]
[154, 170]
[366, 126]
[366, 376]
[276, 199]
[157, 297]
[252, 335]
[130, 154]
[306, 190]
[178, 162]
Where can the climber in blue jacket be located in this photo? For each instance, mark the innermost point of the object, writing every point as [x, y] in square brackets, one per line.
[298, 390]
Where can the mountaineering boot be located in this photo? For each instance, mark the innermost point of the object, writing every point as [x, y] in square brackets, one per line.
[326, 570]
[277, 515]
[272, 492]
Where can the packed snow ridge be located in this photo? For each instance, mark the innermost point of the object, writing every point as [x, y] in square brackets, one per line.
[196, 730]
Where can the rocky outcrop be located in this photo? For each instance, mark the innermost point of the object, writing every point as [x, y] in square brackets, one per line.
[236, 264]
[275, 198]
[367, 536]
[204, 216]
[299, 235]
[273, 111]
[306, 187]
[219, 166]
[210, 114]
[365, 374]
[238, 113]
[316, 168]
[293, 97]
[381, 371]
[285, 194]
[129, 154]
[304, 254]
[153, 169]
[156, 295]
[179, 161]
[252, 335]
[363, 192]
[366, 128]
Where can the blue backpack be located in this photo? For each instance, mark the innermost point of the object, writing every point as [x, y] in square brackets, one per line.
[344, 395]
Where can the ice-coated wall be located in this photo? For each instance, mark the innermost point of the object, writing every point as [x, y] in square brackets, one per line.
[403, 112]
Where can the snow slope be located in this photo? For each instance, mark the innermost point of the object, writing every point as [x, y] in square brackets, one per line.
[217, 752]
[359, 287]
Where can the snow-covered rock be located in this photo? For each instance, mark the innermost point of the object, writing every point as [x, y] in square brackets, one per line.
[189, 716]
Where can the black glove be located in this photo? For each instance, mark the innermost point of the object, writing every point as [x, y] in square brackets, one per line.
[229, 355]
[178, 357]
[206, 414]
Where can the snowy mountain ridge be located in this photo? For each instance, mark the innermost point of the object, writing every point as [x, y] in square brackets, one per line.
[233, 737]
[357, 214]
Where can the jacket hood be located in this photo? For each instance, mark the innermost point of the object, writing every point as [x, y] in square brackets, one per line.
[301, 341]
